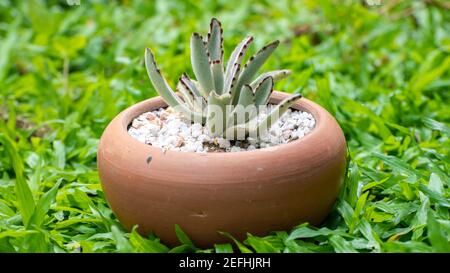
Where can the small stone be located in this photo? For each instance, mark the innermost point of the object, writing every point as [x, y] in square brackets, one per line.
[170, 110]
[199, 146]
[223, 143]
[203, 138]
[242, 144]
[190, 147]
[252, 140]
[134, 133]
[163, 116]
[152, 129]
[289, 125]
[156, 122]
[235, 149]
[196, 129]
[287, 134]
[136, 124]
[298, 134]
[265, 137]
[179, 142]
[174, 127]
[274, 140]
[275, 131]
[150, 116]
[150, 139]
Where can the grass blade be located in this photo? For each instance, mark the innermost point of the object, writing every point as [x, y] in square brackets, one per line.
[23, 193]
[223, 248]
[182, 236]
[141, 244]
[43, 206]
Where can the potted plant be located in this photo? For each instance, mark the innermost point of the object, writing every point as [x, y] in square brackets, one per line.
[225, 153]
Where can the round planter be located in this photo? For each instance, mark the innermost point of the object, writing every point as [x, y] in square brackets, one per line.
[255, 192]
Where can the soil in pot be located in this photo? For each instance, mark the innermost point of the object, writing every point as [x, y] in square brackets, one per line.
[169, 130]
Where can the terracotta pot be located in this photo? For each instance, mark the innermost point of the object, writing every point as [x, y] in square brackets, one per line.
[255, 191]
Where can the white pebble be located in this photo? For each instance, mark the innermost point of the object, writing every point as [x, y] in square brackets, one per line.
[235, 149]
[251, 148]
[223, 143]
[196, 130]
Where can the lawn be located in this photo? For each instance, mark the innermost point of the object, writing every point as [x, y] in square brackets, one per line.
[380, 67]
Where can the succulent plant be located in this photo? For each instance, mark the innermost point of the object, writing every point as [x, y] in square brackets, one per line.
[228, 100]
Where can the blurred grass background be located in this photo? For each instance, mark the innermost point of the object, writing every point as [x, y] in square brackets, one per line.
[380, 67]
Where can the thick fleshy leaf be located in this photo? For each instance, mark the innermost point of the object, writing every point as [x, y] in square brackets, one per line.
[216, 112]
[236, 58]
[201, 63]
[191, 85]
[239, 131]
[187, 95]
[245, 109]
[158, 81]
[252, 66]
[217, 70]
[196, 103]
[163, 88]
[274, 115]
[215, 40]
[228, 85]
[247, 97]
[263, 91]
[276, 75]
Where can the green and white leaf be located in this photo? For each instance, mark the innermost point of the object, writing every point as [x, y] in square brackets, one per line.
[229, 84]
[215, 41]
[252, 66]
[245, 109]
[263, 91]
[163, 88]
[187, 95]
[217, 70]
[216, 112]
[192, 86]
[236, 58]
[276, 75]
[201, 63]
[275, 114]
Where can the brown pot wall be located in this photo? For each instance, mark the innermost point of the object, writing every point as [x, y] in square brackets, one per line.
[255, 191]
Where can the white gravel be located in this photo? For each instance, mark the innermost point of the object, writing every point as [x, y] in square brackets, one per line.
[169, 130]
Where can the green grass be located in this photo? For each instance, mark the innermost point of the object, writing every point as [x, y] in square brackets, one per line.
[382, 71]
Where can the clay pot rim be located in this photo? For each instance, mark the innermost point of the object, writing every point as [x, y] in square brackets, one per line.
[320, 115]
